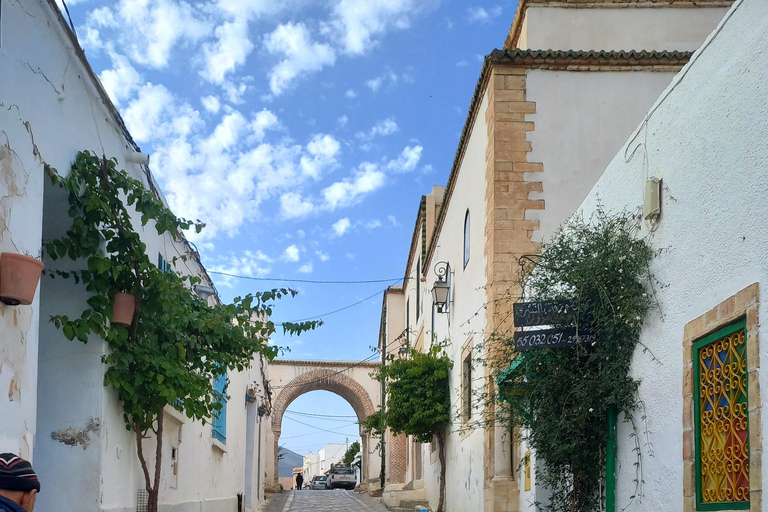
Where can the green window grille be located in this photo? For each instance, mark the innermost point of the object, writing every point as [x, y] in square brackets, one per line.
[721, 419]
[219, 423]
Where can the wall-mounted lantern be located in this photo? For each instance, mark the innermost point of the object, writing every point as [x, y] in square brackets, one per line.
[441, 288]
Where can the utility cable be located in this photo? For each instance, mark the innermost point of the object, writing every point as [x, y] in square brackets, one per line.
[326, 430]
[310, 281]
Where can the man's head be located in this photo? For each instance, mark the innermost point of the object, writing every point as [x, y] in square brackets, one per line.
[18, 481]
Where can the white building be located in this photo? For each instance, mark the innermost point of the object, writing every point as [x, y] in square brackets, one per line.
[549, 112]
[705, 139]
[59, 414]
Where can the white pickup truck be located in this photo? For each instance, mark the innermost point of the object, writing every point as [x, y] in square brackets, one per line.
[342, 477]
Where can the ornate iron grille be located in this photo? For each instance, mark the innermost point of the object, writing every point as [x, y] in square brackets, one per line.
[722, 418]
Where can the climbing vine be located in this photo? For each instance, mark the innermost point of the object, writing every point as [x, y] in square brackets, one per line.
[176, 345]
[561, 396]
[418, 401]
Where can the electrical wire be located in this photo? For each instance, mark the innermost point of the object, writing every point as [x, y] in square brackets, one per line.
[336, 310]
[324, 417]
[310, 281]
[324, 429]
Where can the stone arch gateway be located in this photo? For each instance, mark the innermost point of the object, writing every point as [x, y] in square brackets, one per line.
[351, 380]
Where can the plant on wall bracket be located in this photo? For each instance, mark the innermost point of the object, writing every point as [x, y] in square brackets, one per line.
[176, 345]
[418, 401]
[564, 398]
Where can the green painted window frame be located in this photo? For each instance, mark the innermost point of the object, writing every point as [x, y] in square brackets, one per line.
[738, 325]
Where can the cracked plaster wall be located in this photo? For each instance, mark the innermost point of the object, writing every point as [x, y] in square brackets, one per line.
[50, 110]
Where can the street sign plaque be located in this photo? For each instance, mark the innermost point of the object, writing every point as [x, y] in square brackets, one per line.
[528, 314]
[553, 338]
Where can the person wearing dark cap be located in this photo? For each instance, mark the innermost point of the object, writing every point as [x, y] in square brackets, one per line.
[18, 484]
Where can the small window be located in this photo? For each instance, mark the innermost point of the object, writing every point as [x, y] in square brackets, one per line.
[418, 288]
[174, 467]
[162, 263]
[466, 239]
[721, 419]
[219, 423]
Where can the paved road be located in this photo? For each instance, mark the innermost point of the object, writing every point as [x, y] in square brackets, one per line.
[323, 501]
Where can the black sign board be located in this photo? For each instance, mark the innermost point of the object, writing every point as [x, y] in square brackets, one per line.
[552, 338]
[541, 313]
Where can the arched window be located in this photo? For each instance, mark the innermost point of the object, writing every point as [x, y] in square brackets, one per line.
[466, 238]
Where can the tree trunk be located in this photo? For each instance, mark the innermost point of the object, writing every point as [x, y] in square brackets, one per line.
[151, 485]
[441, 454]
[153, 494]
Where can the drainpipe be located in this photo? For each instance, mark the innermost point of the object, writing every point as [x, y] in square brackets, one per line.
[382, 475]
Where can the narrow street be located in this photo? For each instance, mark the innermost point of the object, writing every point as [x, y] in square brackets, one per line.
[323, 501]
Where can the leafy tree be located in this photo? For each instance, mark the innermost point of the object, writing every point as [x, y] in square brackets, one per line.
[176, 344]
[349, 455]
[418, 401]
[563, 396]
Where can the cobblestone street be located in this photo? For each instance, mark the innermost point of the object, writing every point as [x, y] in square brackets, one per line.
[323, 501]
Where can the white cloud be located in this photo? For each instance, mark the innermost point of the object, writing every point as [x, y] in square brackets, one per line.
[292, 206]
[230, 50]
[475, 14]
[461, 63]
[211, 104]
[306, 268]
[407, 160]
[322, 255]
[358, 22]
[388, 76]
[372, 224]
[291, 253]
[393, 220]
[301, 55]
[148, 31]
[249, 264]
[122, 80]
[367, 179]
[384, 127]
[351, 93]
[341, 226]
[343, 120]
[263, 121]
[321, 154]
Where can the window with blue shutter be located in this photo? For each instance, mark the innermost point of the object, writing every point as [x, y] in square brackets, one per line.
[220, 418]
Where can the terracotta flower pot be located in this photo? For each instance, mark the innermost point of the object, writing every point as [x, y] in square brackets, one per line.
[19, 275]
[122, 310]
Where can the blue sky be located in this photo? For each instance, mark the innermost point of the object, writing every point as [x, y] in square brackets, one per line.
[303, 133]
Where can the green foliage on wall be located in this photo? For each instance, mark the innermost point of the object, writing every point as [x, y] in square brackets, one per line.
[561, 396]
[176, 344]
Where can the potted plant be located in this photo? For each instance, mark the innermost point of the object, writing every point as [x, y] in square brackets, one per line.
[122, 309]
[19, 275]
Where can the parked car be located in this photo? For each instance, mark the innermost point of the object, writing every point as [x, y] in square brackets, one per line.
[319, 483]
[342, 477]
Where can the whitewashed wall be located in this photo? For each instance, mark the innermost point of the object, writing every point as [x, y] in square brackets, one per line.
[464, 321]
[622, 28]
[581, 120]
[706, 139]
[50, 110]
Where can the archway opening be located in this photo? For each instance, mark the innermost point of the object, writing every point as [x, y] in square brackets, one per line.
[318, 429]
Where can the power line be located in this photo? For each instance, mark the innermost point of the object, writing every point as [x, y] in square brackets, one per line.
[310, 281]
[322, 417]
[325, 430]
[337, 310]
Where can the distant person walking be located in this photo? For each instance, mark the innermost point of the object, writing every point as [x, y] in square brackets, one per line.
[18, 484]
[299, 481]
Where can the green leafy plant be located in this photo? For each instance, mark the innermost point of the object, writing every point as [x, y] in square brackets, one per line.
[176, 344]
[349, 455]
[562, 396]
[418, 401]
